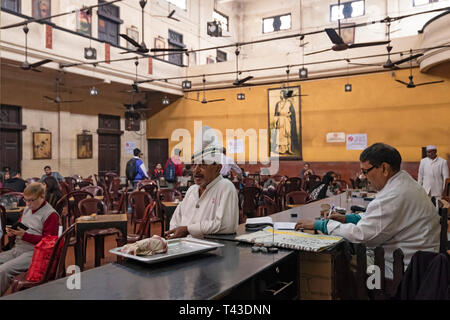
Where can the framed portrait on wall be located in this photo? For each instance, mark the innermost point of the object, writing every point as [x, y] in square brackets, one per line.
[42, 145]
[84, 22]
[41, 8]
[84, 146]
[133, 33]
[348, 33]
[284, 123]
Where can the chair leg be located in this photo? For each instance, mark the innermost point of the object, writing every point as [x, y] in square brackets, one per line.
[98, 253]
[102, 243]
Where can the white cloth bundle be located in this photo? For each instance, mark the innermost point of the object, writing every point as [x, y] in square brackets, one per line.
[146, 247]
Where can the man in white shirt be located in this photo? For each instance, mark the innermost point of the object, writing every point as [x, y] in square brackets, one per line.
[211, 204]
[401, 215]
[229, 165]
[433, 171]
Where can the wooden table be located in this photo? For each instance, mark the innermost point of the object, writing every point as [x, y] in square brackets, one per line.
[168, 210]
[106, 221]
[96, 197]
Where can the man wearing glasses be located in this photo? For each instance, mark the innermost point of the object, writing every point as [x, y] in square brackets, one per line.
[400, 216]
[433, 171]
[40, 219]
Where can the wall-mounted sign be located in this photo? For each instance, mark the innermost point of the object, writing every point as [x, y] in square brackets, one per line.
[235, 146]
[335, 137]
[130, 146]
[357, 141]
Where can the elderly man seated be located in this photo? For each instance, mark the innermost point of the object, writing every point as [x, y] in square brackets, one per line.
[401, 215]
[211, 204]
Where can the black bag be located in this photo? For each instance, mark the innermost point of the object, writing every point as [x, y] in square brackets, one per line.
[130, 170]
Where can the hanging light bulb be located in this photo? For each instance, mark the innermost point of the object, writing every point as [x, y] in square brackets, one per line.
[165, 100]
[93, 91]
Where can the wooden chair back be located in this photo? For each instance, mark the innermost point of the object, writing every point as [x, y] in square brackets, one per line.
[95, 190]
[144, 228]
[249, 200]
[73, 205]
[139, 200]
[71, 182]
[249, 182]
[271, 205]
[64, 186]
[169, 195]
[312, 182]
[3, 223]
[296, 197]
[292, 184]
[92, 205]
[84, 183]
[6, 190]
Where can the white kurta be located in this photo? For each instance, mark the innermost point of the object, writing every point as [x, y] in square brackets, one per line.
[216, 211]
[400, 216]
[432, 175]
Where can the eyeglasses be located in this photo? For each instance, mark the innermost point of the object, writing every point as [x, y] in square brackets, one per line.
[366, 171]
[29, 200]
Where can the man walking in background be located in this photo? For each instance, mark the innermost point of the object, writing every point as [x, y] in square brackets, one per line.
[433, 171]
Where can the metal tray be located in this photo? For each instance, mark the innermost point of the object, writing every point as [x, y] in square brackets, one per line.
[176, 248]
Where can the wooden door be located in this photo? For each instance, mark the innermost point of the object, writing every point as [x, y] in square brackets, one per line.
[11, 137]
[108, 144]
[158, 152]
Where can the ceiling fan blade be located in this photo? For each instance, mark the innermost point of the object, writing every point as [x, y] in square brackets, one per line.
[48, 98]
[168, 49]
[40, 63]
[70, 101]
[432, 82]
[402, 82]
[35, 70]
[215, 100]
[365, 64]
[192, 99]
[171, 14]
[334, 36]
[367, 44]
[408, 58]
[315, 52]
[241, 81]
[130, 40]
[174, 19]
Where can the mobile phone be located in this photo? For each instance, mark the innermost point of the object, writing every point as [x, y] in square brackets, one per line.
[20, 225]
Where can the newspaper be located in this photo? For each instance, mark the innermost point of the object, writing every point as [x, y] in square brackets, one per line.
[291, 239]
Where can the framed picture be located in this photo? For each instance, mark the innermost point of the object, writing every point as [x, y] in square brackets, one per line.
[348, 34]
[84, 22]
[41, 8]
[160, 43]
[84, 146]
[42, 145]
[284, 123]
[133, 34]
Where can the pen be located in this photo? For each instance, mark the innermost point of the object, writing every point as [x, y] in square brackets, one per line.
[331, 210]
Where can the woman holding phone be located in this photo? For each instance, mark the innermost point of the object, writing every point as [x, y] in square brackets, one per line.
[40, 219]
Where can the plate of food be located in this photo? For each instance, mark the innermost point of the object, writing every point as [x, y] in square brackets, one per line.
[157, 249]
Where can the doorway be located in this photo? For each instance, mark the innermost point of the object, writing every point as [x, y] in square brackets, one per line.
[158, 152]
[108, 144]
[11, 137]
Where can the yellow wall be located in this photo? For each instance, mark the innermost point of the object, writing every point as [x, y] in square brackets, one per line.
[379, 106]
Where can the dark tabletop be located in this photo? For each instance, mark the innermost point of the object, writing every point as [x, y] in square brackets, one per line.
[204, 276]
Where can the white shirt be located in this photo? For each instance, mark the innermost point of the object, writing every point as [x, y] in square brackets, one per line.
[228, 164]
[400, 216]
[432, 175]
[215, 211]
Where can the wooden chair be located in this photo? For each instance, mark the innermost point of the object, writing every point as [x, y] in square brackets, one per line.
[249, 182]
[150, 216]
[169, 195]
[149, 186]
[86, 207]
[312, 183]
[388, 288]
[446, 192]
[56, 264]
[293, 184]
[3, 225]
[114, 187]
[138, 200]
[249, 202]
[344, 184]
[71, 182]
[109, 177]
[296, 197]
[64, 186]
[256, 177]
[84, 183]
[270, 207]
[77, 196]
[120, 206]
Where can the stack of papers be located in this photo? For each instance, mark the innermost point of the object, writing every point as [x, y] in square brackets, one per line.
[255, 224]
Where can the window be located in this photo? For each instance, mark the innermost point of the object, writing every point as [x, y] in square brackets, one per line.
[223, 19]
[109, 23]
[277, 23]
[13, 5]
[176, 41]
[347, 10]
[221, 56]
[422, 2]
[179, 3]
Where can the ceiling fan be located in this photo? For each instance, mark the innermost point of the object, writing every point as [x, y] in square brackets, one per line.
[339, 43]
[204, 98]
[240, 82]
[289, 93]
[142, 48]
[411, 84]
[389, 64]
[57, 99]
[26, 65]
